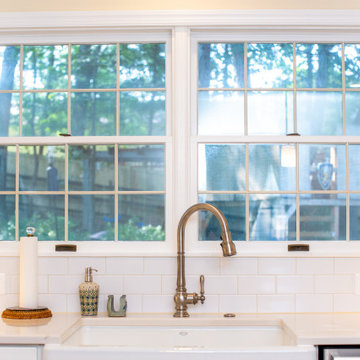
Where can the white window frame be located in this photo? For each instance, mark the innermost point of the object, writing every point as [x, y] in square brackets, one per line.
[182, 28]
[272, 36]
[106, 247]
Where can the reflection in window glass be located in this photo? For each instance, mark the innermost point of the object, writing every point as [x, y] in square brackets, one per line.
[41, 168]
[221, 113]
[142, 113]
[272, 217]
[45, 213]
[354, 167]
[141, 167]
[319, 113]
[142, 217]
[268, 169]
[352, 100]
[9, 67]
[221, 167]
[318, 66]
[44, 114]
[142, 66]
[91, 167]
[221, 65]
[93, 66]
[91, 217]
[270, 65]
[93, 113]
[354, 216]
[322, 167]
[7, 217]
[45, 67]
[232, 206]
[270, 112]
[322, 217]
[7, 168]
[352, 65]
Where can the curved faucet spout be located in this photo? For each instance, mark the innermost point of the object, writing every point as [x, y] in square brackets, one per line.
[182, 298]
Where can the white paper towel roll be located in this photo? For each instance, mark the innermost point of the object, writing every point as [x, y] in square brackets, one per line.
[28, 272]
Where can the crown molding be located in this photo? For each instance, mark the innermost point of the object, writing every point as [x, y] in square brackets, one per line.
[303, 19]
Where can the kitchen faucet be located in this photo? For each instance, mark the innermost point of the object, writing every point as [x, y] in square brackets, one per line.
[182, 298]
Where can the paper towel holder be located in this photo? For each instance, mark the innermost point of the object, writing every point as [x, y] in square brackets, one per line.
[21, 313]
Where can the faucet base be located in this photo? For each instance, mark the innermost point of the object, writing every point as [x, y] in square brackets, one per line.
[181, 313]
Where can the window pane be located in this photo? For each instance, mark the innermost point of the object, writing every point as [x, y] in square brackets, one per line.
[142, 217]
[272, 167]
[93, 66]
[352, 107]
[9, 67]
[45, 213]
[141, 167]
[322, 167]
[318, 66]
[322, 217]
[221, 113]
[270, 65]
[7, 168]
[221, 65]
[272, 217]
[91, 217]
[41, 168]
[354, 167]
[44, 114]
[232, 206]
[142, 66]
[354, 217]
[7, 217]
[93, 113]
[270, 112]
[142, 113]
[221, 167]
[319, 113]
[9, 114]
[45, 67]
[91, 167]
[352, 65]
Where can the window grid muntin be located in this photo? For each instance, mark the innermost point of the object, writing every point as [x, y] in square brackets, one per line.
[268, 139]
[114, 140]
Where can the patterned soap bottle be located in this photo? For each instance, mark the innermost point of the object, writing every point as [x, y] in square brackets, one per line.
[89, 294]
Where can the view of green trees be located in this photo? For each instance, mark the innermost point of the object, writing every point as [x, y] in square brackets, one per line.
[269, 79]
[119, 90]
[91, 96]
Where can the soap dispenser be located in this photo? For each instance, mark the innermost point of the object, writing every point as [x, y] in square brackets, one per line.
[89, 294]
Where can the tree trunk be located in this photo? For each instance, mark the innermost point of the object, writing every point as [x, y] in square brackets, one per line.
[11, 57]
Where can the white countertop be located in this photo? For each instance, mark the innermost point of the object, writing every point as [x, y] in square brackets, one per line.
[309, 329]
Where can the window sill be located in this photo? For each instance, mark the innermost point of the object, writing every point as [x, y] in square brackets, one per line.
[206, 249]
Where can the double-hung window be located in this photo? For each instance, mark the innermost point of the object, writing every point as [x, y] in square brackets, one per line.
[85, 129]
[274, 134]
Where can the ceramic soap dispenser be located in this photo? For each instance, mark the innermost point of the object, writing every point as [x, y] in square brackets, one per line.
[89, 294]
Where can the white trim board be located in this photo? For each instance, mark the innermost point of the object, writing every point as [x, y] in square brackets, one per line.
[345, 19]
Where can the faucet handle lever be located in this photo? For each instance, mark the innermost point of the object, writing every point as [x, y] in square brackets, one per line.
[202, 289]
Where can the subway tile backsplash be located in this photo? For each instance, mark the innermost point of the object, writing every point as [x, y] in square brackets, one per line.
[244, 285]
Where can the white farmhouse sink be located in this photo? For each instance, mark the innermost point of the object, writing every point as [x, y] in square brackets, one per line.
[175, 341]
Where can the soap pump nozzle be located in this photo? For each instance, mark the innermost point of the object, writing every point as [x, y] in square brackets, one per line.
[88, 274]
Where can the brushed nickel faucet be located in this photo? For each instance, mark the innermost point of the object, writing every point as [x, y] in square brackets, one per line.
[182, 298]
